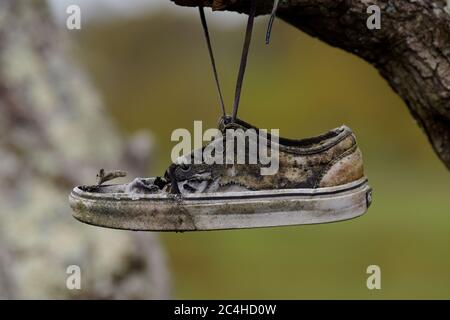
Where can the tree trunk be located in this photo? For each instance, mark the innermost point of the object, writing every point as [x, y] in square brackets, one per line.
[54, 134]
[411, 50]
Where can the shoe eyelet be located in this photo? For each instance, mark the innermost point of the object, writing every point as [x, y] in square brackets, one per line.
[185, 167]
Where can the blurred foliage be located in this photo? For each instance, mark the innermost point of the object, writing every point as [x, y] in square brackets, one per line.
[154, 73]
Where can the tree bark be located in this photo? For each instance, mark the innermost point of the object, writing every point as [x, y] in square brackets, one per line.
[411, 50]
[55, 134]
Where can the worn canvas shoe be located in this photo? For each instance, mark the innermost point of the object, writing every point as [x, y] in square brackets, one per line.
[317, 180]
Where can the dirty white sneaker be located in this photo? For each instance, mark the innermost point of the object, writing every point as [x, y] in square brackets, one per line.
[318, 180]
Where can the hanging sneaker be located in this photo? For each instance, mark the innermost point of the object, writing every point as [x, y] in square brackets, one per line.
[318, 180]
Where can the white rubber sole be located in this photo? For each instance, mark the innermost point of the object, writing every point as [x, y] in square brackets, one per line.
[216, 211]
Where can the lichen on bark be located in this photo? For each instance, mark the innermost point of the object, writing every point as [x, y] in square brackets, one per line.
[54, 134]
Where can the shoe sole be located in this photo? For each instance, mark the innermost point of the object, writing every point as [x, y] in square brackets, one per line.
[218, 211]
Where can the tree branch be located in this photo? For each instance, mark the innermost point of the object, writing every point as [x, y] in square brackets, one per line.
[411, 50]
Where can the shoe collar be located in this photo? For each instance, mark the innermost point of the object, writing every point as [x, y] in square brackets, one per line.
[312, 144]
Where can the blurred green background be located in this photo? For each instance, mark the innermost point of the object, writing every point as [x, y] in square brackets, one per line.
[154, 73]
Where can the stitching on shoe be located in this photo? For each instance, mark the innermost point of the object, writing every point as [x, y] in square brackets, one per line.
[234, 183]
[320, 149]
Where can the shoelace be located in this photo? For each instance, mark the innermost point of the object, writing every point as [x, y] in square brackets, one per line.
[211, 56]
[271, 20]
[245, 50]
